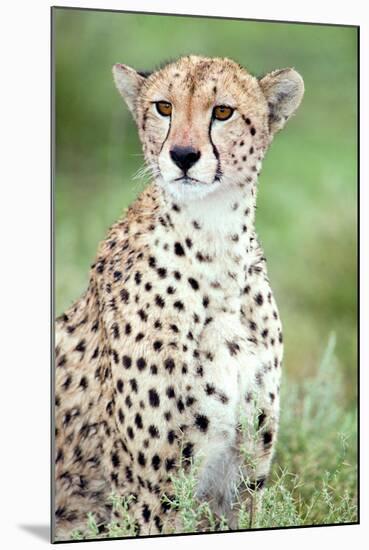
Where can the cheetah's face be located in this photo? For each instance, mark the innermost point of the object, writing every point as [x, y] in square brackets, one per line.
[205, 124]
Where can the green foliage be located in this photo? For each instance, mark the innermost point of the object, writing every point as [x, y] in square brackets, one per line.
[318, 432]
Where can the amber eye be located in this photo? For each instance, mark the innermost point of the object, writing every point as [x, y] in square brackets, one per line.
[222, 112]
[164, 108]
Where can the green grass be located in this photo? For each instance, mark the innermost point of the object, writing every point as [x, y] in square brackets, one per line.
[314, 477]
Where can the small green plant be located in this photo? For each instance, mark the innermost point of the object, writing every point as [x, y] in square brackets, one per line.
[194, 515]
[125, 526]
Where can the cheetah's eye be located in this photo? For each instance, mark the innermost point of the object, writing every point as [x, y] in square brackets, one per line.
[164, 108]
[222, 112]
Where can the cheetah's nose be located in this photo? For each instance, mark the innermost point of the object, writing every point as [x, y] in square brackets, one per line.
[184, 157]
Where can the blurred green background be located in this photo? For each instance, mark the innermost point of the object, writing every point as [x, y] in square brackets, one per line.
[307, 203]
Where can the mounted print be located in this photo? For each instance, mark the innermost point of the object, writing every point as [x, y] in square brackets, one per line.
[205, 262]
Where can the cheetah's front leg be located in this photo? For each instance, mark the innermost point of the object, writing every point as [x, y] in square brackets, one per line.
[242, 403]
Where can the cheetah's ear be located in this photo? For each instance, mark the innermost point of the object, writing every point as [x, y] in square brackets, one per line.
[128, 81]
[283, 90]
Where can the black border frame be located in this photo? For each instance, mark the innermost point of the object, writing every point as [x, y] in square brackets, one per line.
[52, 271]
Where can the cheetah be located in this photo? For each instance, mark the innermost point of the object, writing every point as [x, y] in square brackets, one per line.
[177, 341]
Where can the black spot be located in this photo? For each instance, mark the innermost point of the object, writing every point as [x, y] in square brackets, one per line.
[210, 389]
[154, 399]
[83, 382]
[81, 346]
[146, 513]
[252, 131]
[139, 336]
[138, 277]
[155, 461]
[162, 272]
[115, 460]
[159, 301]
[193, 283]
[142, 314]
[179, 305]
[187, 450]
[261, 419]
[141, 363]
[117, 276]
[120, 385]
[124, 295]
[259, 299]
[264, 333]
[171, 436]
[202, 422]
[127, 361]
[141, 459]
[154, 432]
[158, 522]
[188, 242]
[267, 438]
[178, 249]
[157, 345]
[59, 456]
[67, 382]
[62, 361]
[129, 476]
[223, 398]
[170, 392]
[133, 384]
[169, 364]
[233, 347]
[138, 421]
[190, 401]
[205, 301]
[169, 464]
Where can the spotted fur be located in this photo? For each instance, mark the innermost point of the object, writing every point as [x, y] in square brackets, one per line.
[177, 338]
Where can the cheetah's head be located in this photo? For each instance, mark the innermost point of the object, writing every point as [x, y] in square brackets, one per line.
[205, 123]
